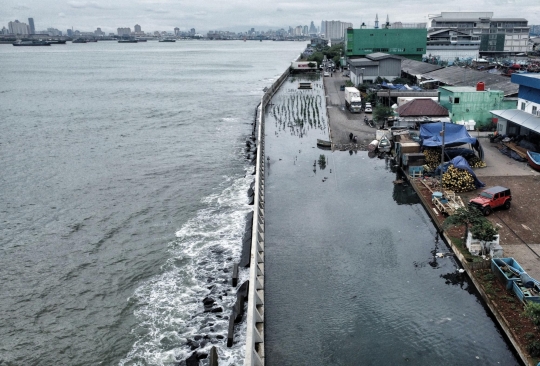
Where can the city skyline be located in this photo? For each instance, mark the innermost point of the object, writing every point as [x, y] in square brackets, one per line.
[239, 16]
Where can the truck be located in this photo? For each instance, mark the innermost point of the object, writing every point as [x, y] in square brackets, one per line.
[353, 101]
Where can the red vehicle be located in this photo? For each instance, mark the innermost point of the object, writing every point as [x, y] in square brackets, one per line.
[492, 198]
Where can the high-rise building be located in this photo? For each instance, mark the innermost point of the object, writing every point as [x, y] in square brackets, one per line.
[124, 31]
[137, 28]
[17, 27]
[312, 28]
[498, 36]
[334, 29]
[98, 32]
[192, 31]
[176, 31]
[305, 31]
[31, 24]
[69, 32]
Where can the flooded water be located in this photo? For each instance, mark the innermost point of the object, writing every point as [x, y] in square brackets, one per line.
[351, 272]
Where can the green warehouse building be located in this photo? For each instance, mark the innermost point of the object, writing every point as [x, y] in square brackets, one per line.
[470, 106]
[406, 42]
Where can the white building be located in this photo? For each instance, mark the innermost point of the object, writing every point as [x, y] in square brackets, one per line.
[17, 27]
[498, 36]
[334, 29]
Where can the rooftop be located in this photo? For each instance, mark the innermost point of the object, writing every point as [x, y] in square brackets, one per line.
[520, 117]
[530, 80]
[463, 89]
[422, 107]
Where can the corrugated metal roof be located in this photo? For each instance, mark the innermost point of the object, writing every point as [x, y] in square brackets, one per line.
[458, 76]
[412, 67]
[406, 93]
[422, 107]
[362, 62]
[519, 117]
[381, 55]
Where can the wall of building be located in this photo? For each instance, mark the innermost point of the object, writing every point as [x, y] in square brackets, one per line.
[473, 105]
[410, 43]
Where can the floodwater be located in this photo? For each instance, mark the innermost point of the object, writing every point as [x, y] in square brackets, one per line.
[351, 272]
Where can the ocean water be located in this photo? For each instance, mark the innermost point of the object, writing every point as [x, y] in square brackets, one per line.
[123, 196]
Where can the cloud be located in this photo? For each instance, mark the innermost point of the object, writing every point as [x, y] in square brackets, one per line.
[160, 11]
[61, 15]
[21, 7]
[87, 4]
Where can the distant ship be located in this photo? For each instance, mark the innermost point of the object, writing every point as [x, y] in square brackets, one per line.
[56, 41]
[31, 43]
[167, 40]
[79, 40]
[127, 41]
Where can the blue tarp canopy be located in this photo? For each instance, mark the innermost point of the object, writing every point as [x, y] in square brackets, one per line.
[454, 135]
[461, 163]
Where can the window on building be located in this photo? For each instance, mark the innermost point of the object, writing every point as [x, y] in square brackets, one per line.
[456, 100]
[522, 106]
[534, 110]
[419, 50]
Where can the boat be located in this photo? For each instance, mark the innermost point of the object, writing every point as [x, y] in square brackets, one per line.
[56, 41]
[79, 40]
[534, 159]
[384, 145]
[323, 143]
[128, 41]
[373, 145]
[167, 40]
[31, 43]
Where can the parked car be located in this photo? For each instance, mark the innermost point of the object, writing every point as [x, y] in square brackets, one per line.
[368, 108]
[326, 73]
[492, 198]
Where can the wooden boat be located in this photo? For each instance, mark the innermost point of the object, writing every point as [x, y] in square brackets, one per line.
[373, 145]
[323, 143]
[384, 145]
[534, 160]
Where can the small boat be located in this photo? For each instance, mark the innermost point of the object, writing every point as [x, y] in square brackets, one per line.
[533, 159]
[128, 41]
[79, 40]
[373, 145]
[384, 145]
[56, 41]
[324, 143]
[168, 40]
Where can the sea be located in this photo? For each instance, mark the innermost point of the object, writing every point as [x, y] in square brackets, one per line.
[123, 196]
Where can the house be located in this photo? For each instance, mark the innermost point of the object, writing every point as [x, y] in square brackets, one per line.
[374, 65]
[420, 110]
[471, 106]
[525, 120]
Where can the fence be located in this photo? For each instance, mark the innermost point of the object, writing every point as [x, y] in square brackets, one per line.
[255, 306]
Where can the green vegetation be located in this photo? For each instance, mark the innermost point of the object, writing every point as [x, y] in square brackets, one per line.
[332, 53]
[381, 112]
[480, 227]
[532, 310]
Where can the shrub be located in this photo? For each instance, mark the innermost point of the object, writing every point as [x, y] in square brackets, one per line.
[534, 348]
[532, 310]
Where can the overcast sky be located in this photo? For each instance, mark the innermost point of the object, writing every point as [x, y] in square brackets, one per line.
[241, 15]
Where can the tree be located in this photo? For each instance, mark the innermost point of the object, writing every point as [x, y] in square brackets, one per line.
[464, 216]
[485, 232]
[381, 112]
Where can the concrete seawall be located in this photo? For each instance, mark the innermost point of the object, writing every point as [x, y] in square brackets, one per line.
[255, 307]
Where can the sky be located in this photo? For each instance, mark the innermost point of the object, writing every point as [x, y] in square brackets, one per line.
[241, 15]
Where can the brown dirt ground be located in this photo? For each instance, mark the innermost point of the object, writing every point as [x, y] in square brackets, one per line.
[524, 210]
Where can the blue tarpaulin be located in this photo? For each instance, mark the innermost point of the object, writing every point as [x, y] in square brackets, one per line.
[461, 163]
[454, 135]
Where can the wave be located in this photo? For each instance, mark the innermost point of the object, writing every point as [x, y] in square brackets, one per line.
[169, 309]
